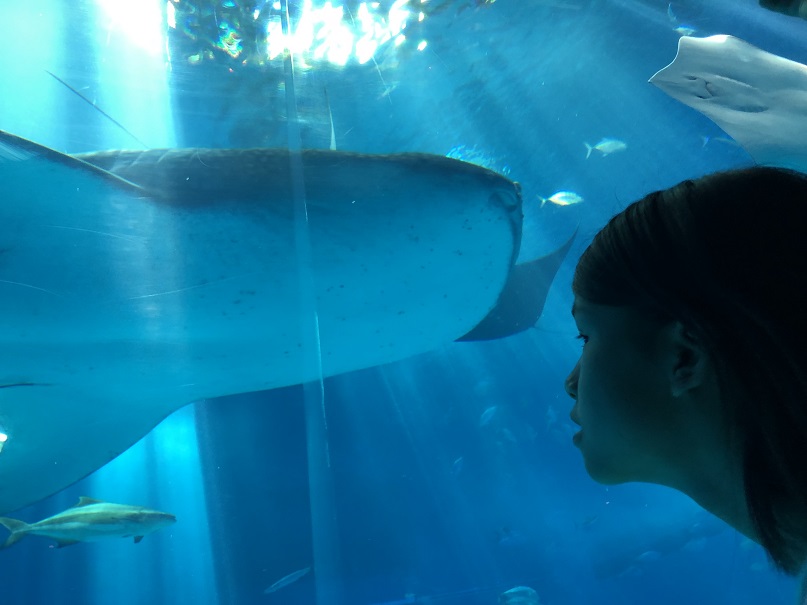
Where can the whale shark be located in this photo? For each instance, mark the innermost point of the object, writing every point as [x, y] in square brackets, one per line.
[135, 282]
[756, 97]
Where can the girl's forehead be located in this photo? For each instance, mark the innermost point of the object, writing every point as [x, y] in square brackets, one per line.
[622, 318]
[581, 306]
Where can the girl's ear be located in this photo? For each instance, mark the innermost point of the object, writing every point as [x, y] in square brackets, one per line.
[690, 364]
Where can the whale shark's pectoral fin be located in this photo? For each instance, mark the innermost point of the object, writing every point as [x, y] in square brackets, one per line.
[522, 300]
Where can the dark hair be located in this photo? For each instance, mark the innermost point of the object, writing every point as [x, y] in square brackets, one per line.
[726, 255]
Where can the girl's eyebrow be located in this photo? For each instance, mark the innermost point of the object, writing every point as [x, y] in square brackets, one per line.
[574, 308]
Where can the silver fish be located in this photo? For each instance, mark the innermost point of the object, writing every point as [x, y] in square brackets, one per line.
[91, 520]
[562, 198]
[286, 580]
[606, 146]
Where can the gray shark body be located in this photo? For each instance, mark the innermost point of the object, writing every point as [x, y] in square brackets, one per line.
[91, 520]
[133, 283]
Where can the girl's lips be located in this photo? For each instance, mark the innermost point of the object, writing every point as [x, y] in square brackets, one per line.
[573, 415]
[577, 437]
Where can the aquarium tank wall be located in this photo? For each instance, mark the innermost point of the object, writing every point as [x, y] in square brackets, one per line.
[285, 292]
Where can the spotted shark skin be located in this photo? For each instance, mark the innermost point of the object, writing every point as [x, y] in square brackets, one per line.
[135, 282]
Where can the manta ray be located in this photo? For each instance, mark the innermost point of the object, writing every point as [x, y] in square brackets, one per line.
[135, 282]
[758, 98]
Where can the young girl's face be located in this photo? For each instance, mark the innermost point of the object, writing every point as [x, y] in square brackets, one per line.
[623, 400]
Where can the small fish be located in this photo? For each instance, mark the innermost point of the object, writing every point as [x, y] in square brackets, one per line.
[520, 595]
[561, 198]
[650, 556]
[286, 580]
[487, 415]
[91, 520]
[508, 436]
[606, 147]
[680, 28]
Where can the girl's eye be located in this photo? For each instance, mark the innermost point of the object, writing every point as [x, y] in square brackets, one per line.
[582, 337]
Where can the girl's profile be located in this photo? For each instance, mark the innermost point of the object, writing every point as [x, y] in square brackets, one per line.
[691, 306]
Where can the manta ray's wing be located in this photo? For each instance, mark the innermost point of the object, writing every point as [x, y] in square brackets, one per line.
[758, 98]
[132, 283]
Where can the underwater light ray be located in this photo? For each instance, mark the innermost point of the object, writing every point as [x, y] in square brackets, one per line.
[140, 22]
[320, 474]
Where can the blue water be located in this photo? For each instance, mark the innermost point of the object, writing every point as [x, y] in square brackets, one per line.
[453, 475]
